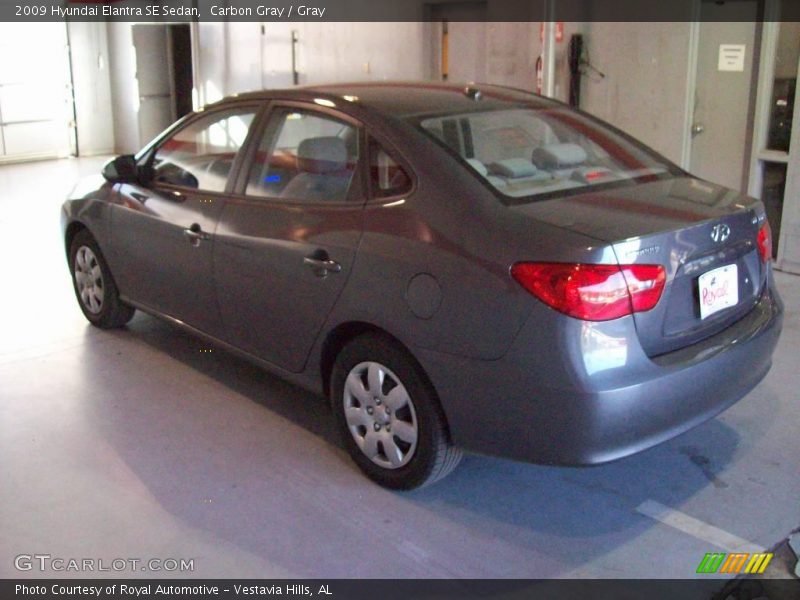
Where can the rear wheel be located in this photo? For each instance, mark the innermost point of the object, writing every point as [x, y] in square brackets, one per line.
[94, 286]
[389, 416]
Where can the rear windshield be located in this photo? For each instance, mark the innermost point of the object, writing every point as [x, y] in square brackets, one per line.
[533, 153]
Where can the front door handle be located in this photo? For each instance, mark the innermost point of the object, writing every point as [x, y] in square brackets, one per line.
[195, 234]
[321, 264]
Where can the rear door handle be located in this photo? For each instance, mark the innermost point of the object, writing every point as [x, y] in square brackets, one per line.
[195, 234]
[321, 264]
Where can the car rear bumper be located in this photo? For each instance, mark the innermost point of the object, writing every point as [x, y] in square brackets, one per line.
[577, 393]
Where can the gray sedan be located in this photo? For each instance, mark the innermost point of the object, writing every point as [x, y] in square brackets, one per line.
[454, 268]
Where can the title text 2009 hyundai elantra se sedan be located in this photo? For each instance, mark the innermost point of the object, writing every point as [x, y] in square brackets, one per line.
[454, 268]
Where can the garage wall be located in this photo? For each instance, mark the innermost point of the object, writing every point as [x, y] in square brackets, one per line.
[646, 67]
[357, 52]
[511, 52]
[238, 57]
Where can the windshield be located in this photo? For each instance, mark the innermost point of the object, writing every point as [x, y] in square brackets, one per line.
[525, 152]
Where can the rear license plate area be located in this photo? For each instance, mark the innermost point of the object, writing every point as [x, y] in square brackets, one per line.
[718, 289]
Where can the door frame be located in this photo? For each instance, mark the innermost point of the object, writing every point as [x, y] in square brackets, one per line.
[765, 50]
[691, 80]
[198, 97]
[759, 152]
[691, 87]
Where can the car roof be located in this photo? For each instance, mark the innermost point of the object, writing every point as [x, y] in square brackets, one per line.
[406, 99]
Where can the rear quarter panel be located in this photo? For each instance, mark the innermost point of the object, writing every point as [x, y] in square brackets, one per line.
[433, 270]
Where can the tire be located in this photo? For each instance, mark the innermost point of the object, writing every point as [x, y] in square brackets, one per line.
[94, 285]
[398, 437]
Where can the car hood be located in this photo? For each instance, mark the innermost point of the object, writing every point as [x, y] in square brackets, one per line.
[639, 210]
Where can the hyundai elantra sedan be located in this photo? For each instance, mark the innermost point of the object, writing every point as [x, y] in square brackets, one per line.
[455, 268]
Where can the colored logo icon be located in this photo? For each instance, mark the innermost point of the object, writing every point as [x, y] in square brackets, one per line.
[735, 562]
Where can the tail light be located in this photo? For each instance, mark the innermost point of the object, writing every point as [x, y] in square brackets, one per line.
[593, 292]
[765, 242]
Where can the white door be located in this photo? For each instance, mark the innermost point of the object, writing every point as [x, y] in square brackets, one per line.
[151, 44]
[35, 98]
[721, 126]
[277, 50]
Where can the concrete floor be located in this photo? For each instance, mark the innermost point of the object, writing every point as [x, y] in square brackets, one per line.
[135, 444]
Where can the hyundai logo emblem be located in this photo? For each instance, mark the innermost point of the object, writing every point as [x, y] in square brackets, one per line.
[720, 233]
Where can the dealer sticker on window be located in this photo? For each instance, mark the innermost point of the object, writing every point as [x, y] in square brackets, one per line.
[718, 289]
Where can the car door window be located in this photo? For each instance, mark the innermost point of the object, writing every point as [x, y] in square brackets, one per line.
[304, 157]
[387, 177]
[200, 156]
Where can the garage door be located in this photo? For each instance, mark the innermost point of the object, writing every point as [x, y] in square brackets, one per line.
[34, 91]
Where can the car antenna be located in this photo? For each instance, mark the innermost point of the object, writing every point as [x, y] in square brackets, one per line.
[474, 93]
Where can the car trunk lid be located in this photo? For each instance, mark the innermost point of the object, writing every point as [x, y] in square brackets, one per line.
[690, 227]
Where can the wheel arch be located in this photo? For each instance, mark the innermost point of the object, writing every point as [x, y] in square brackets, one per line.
[73, 228]
[337, 338]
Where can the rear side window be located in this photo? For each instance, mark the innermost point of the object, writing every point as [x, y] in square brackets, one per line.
[305, 157]
[387, 177]
[200, 156]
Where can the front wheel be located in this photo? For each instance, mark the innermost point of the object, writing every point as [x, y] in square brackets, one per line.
[389, 416]
[94, 286]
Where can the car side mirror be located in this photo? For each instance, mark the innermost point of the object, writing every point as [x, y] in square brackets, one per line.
[122, 169]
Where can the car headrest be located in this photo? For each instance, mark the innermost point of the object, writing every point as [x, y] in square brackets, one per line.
[322, 155]
[513, 168]
[558, 156]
